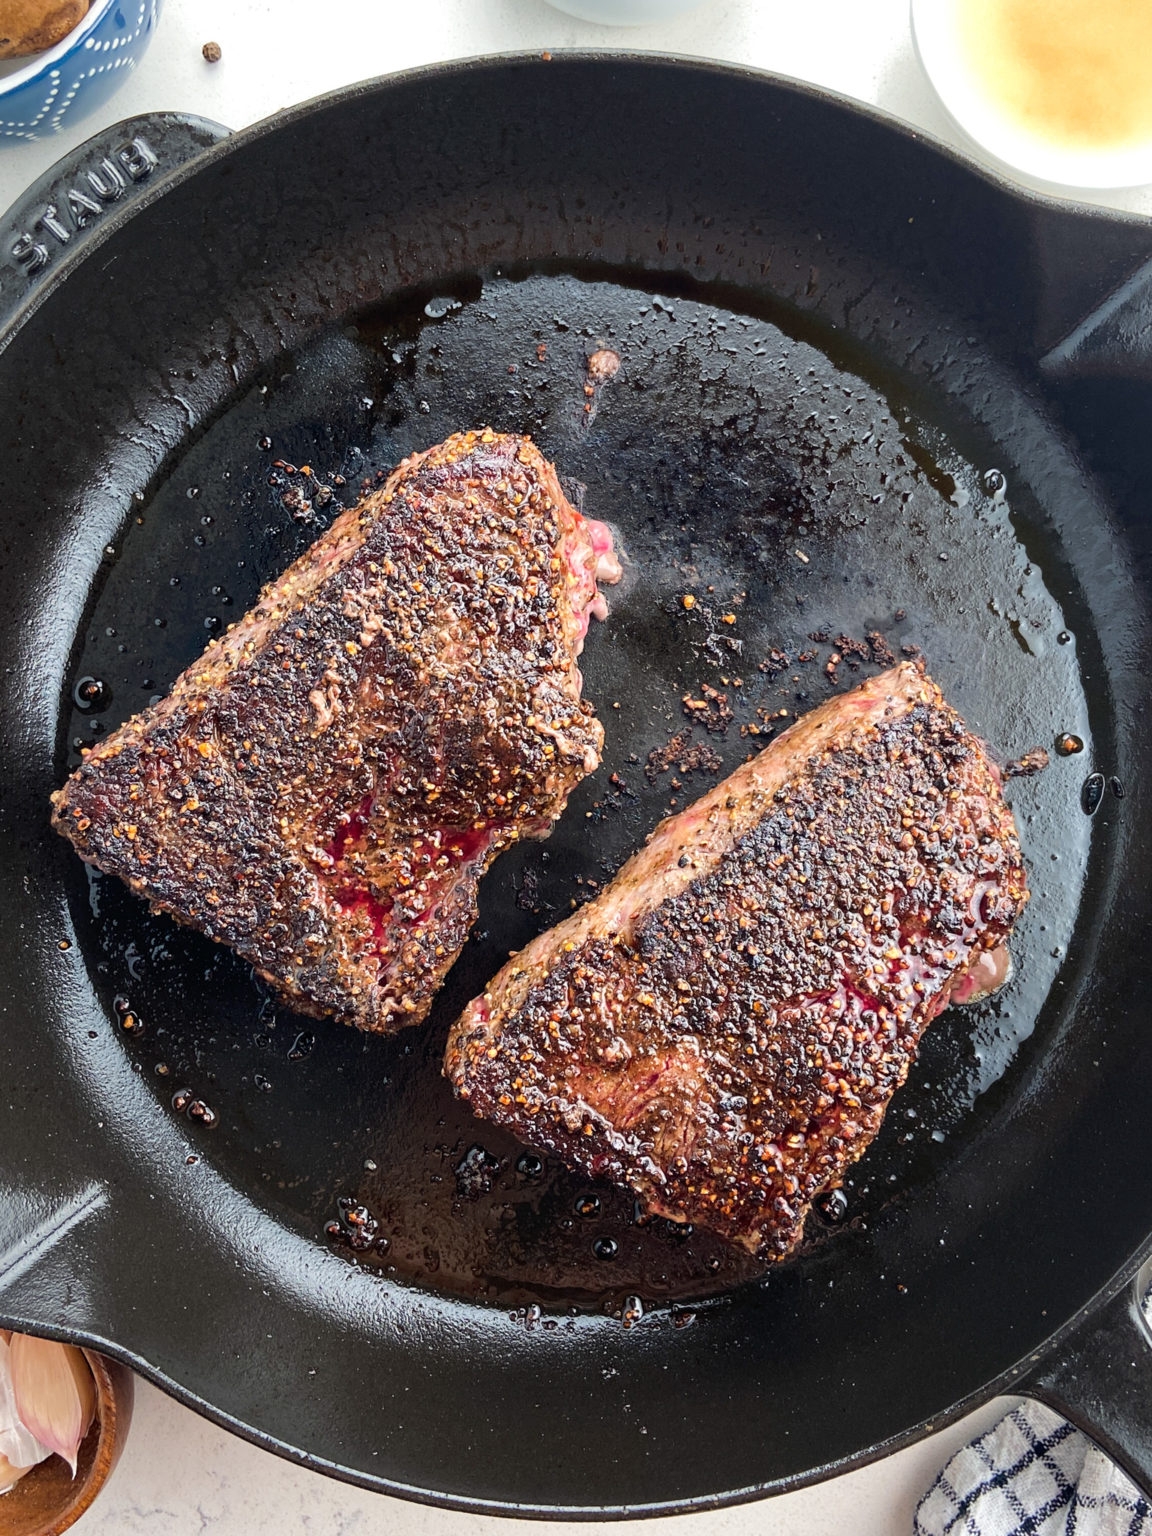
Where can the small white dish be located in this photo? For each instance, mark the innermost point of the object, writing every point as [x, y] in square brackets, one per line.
[969, 97]
[625, 13]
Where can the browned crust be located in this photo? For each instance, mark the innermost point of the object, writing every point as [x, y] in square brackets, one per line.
[323, 789]
[723, 1028]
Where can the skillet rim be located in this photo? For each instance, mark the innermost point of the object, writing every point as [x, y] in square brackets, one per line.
[240, 138]
[1014, 1377]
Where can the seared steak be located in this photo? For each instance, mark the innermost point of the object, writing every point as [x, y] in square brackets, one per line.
[325, 787]
[723, 1028]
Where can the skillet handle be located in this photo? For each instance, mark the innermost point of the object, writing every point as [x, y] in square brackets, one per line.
[1099, 1377]
[1114, 340]
[84, 195]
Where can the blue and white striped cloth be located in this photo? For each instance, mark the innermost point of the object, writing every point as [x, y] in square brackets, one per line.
[1032, 1475]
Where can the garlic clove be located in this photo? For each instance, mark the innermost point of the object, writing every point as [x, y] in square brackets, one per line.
[10, 1475]
[54, 1392]
[19, 1448]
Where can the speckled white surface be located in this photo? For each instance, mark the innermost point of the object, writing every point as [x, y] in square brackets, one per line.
[180, 1475]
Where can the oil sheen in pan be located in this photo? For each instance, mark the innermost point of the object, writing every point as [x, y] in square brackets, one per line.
[747, 467]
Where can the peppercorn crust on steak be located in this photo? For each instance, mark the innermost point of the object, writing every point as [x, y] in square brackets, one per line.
[325, 787]
[722, 1029]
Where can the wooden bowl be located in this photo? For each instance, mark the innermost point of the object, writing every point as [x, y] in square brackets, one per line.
[48, 1499]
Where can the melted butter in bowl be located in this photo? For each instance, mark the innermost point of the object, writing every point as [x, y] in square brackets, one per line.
[1060, 89]
[1075, 72]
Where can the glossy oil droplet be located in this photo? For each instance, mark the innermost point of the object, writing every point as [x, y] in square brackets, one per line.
[1092, 793]
[529, 1166]
[834, 1205]
[606, 1248]
[587, 1206]
[358, 1227]
[632, 1312]
[91, 693]
[1068, 745]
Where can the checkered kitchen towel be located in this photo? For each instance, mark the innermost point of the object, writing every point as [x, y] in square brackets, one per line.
[1032, 1475]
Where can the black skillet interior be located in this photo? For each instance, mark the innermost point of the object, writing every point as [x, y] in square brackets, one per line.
[819, 433]
[801, 512]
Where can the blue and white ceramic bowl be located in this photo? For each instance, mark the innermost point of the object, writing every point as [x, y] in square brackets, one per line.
[52, 89]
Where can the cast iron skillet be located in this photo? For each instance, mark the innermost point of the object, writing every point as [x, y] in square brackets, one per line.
[857, 395]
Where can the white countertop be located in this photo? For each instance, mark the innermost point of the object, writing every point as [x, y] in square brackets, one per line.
[180, 1474]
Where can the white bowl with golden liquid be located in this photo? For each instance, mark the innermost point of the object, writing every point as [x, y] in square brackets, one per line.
[1059, 89]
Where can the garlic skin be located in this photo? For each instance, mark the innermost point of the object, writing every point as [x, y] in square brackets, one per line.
[10, 1475]
[53, 1393]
